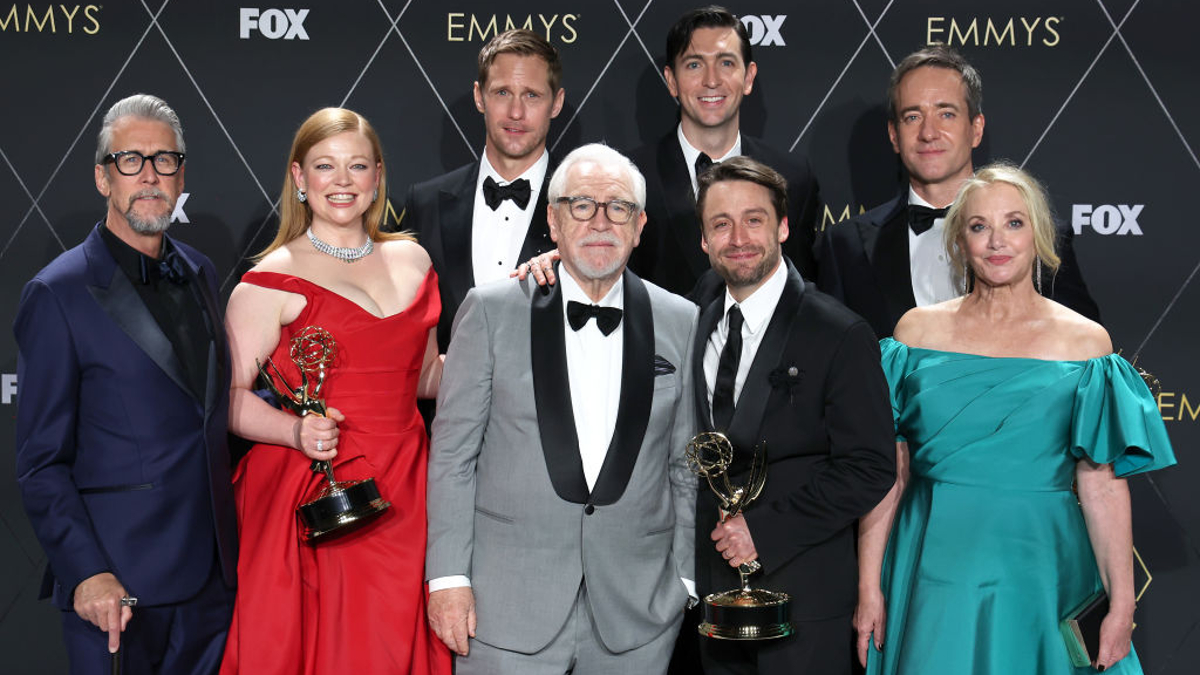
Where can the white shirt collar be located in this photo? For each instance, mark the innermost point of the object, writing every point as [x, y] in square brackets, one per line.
[535, 174]
[571, 290]
[914, 198]
[758, 308]
[690, 153]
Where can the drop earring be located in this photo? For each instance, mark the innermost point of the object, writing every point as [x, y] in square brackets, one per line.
[301, 196]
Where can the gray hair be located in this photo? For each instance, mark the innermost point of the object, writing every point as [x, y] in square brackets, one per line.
[144, 106]
[604, 156]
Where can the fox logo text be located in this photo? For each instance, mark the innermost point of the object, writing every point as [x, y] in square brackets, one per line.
[178, 215]
[1107, 218]
[764, 30]
[274, 23]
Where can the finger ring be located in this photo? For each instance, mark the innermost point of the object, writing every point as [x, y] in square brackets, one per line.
[320, 445]
[129, 601]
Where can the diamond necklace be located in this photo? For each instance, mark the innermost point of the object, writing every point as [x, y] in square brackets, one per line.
[341, 252]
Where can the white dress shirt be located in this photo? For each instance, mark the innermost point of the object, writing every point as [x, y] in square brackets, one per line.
[497, 236]
[933, 276]
[594, 372]
[690, 154]
[757, 311]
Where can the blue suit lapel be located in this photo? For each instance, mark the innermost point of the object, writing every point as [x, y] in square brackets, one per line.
[120, 300]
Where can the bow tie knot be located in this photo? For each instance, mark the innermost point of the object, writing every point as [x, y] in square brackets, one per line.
[494, 194]
[920, 218]
[607, 318]
[171, 267]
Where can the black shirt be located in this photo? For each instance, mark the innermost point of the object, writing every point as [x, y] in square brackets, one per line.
[175, 306]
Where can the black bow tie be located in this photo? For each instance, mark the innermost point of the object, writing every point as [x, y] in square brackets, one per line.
[607, 318]
[920, 218]
[494, 194]
[171, 267]
[703, 162]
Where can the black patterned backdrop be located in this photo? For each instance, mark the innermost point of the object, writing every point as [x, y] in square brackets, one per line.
[1097, 97]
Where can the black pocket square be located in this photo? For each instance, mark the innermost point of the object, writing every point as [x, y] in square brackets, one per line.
[786, 377]
[662, 366]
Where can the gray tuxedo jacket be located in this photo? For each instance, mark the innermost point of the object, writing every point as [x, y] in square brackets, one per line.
[508, 503]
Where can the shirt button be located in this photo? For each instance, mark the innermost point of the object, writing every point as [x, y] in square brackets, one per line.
[589, 509]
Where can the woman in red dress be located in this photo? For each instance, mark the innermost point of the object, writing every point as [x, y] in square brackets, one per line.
[355, 603]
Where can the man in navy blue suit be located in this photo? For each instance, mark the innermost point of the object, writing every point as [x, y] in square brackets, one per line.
[121, 426]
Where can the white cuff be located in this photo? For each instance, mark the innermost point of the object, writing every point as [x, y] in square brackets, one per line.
[457, 581]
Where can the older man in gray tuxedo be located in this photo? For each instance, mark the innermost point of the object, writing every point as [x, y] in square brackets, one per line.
[560, 506]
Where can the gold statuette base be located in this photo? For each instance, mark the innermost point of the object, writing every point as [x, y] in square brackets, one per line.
[752, 614]
[341, 508]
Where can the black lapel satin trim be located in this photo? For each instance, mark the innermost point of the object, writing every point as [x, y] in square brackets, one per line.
[681, 205]
[456, 211]
[637, 394]
[748, 419]
[552, 398]
[124, 306]
[710, 316]
[889, 258]
[537, 238]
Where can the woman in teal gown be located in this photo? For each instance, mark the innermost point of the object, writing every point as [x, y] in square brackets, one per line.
[1002, 400]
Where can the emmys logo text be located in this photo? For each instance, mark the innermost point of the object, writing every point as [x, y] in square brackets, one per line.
[765, 30]
[51, 19]
[1175, 407]
[463, 27]
[830, 216]
[993, 32]
[1107, 218]
[273, 24]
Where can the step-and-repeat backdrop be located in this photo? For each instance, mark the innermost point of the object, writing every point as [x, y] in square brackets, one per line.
[1096, 97]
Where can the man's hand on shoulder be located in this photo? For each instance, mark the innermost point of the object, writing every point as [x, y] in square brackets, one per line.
[452, 617]
[98, 601]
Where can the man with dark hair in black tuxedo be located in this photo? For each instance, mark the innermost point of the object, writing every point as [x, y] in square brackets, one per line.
[890, 259]
[479, 220]
[709, 69]
[781, 366]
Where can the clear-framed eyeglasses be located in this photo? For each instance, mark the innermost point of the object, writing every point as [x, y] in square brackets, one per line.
[130, 162]
[584, 209]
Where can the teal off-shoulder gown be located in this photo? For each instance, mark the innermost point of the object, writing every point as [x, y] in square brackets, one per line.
[989, 550]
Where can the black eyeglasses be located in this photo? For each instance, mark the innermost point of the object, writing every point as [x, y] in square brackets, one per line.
[130, 162]
[584, 209]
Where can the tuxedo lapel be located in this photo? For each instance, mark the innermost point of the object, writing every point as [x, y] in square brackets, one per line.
[710, 316]
[456, 211]
[216, 332]
[552, 397]
[752, 402]
[637, 394]
[681, 205]
[889, 258]
[121, 302]
[537, 237]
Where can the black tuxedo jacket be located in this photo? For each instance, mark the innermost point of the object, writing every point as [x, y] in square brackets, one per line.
[864, 263]
[440, 212]
[669, 254]
[816, 399]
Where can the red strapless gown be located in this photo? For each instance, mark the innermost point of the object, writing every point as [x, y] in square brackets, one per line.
[355, 604]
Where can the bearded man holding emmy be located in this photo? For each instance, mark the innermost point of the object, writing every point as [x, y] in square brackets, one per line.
[785, 371]
[560, 504]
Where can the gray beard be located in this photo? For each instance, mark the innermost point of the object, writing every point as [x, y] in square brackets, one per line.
[148, 226]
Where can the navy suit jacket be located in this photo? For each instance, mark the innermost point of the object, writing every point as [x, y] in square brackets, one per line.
[864, 263]
[121, 468]
[816, 400]
[441, 213]
[669, 254]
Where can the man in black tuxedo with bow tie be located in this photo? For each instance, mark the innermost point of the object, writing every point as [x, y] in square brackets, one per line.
[782, 366]
[478, 221]
[890, 259]
[709, 70]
